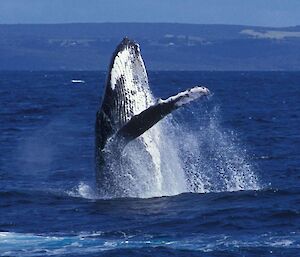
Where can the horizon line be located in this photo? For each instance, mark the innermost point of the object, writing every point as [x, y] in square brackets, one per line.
[150, 70]
[166, 23]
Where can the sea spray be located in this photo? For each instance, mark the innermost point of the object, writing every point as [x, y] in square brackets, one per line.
[172, 158]
[214, 160]
[147, 167]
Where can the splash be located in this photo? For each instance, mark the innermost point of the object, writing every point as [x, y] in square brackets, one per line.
[83, 190]
[173, 158]
[147, 167]
[214, 159]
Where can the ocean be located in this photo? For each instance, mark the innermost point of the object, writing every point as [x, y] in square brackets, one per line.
[239, 149]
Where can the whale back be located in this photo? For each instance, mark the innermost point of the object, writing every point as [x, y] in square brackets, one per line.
[127, 91]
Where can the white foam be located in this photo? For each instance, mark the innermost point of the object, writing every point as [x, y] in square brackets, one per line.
[18, 244]
[77, 81]
[83, 190]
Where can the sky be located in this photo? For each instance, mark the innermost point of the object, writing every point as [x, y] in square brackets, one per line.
[277, 13]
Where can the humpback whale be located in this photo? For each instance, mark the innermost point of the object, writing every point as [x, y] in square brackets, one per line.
[128, 112]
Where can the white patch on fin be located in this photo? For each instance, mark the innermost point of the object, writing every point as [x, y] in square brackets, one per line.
[187, 96]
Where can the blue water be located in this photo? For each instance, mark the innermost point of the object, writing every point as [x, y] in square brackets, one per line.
[48, 204]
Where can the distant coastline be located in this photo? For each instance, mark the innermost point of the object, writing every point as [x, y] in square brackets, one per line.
[165, 46]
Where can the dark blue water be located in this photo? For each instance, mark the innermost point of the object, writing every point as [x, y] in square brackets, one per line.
[47, 201]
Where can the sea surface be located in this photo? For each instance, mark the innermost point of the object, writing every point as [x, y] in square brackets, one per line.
[244, 147]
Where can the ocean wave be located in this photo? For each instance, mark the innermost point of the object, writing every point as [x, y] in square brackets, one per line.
[18, 244]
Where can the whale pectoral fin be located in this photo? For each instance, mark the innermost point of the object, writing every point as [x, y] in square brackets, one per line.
[140, 123]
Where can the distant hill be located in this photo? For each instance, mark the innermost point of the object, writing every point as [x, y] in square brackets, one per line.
[164, 46]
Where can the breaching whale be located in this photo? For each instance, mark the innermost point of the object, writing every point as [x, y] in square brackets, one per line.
[127, 112]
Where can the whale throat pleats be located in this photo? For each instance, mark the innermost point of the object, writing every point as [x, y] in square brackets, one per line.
[127, 91]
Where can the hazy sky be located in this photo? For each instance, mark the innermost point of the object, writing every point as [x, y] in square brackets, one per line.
[248, 12]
